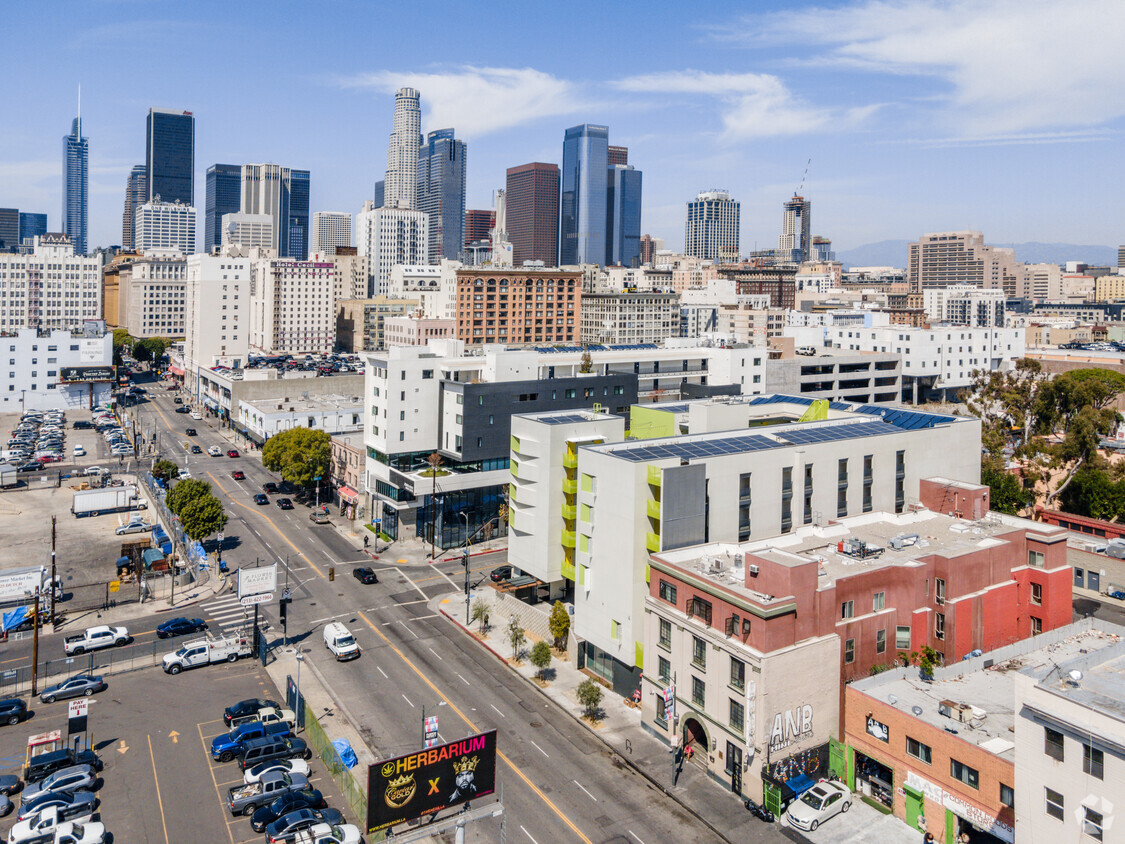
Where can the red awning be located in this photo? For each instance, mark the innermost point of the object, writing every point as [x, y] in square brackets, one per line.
[348, 494]
[175, 370]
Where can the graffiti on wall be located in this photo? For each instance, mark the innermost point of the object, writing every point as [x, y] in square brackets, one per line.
[812, 762]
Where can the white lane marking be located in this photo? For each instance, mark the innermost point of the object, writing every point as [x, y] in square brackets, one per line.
[588, 794]
[435, 653]
[404, 697]
[636, 836]
[528, 834]
[381, 671]
[540, 749]
[447, 577]
[412, 583]
[463, 680]
[326, 555]
[498, 712]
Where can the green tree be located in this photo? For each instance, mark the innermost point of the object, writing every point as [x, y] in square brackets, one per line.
[1093, 493]
[926, 660]
[1081, 439]
[481, 611]
[300, 455]
[516, 637]
[142, 351]
[589, 695]
[586, 364]
[121, 341]
[559, 625]
[184, 492]
[165, 470]
[1005, 402]
[1007, 493]
[541, 657]
[202, 517]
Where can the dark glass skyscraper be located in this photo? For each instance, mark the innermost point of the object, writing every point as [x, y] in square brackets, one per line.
[76, 157]
[295, 237]
[441, 193]
[9, 229]
[32, 225]
[582, 195]
[170, 155]
[623, 216]
[136, 194]
[224, 189]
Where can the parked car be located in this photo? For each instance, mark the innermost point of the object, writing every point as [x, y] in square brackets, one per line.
[83, 684]
[270, 487]
[323, 833]
[232, 452]
[177, 400]
[261, 498]
[821, 802]
[183, 408]
[134, 526]
[70, 832]
[306, 798]
[501, 573]
[79, 450]
[10, 784]
[82, 425]
[191, 432]
[35, 827]
[288, 766]
[196, 450]
[247, 799]
[65, 803]
[44, 764]
[30, 466]
[12, 711]
[248, 707]
[180, 627]
[284, 504]
[256, 751]
[70, 780]
[285, 828]
[228, 745]
[195, 414]
[318, 517]
[365, 575]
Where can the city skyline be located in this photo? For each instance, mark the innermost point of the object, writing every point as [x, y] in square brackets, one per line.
[902, 142]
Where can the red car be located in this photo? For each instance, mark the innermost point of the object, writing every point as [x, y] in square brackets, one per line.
[232, 453]
[49, 458]
[238, 475]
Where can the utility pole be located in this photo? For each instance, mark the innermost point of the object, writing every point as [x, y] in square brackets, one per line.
[35, 649]
[53, 520]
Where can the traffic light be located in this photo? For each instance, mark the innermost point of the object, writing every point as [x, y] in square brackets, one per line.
[284, 605]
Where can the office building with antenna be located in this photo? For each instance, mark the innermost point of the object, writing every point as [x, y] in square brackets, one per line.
[76, 166]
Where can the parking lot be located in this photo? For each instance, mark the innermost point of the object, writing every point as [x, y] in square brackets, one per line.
[152, 732]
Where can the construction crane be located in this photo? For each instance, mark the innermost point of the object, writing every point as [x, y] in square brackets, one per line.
[803, 177]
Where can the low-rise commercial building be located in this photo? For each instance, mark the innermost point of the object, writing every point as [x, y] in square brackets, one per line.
[336, 414]
[346, 474]
[629, 317]
[418, 330]
[56, 370]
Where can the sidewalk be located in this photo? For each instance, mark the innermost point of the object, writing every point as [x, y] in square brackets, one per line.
[717, 808]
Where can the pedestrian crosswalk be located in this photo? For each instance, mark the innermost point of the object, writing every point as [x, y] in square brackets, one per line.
[230, 616]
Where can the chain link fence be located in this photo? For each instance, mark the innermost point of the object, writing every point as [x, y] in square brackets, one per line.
[347, 779]
[15, 681]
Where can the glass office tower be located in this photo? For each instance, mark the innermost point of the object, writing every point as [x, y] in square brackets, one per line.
[224, 193]
[295, 242]
[441, 193]
[170, 155]
[582, 195]
[623, 216]
[76, 157]
[32, 226]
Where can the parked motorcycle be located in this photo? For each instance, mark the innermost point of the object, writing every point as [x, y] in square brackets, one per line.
[760, 812]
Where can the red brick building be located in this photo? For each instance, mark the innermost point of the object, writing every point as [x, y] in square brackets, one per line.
[524, 305]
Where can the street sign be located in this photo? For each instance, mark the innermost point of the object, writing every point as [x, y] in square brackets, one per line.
[220, 537]
[286, 595]
[258, 580]
[260, 598]
[78, 708]
[430, 727]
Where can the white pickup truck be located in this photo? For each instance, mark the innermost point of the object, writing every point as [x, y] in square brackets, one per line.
[206, 651]
[269, 715]
[95, 638]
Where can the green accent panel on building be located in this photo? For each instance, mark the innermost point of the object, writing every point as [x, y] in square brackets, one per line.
[639, 654]
[515, 444]
[915, 806]
[645, 423]
[568, 570]
[583, 543]
[568, 538]
[837, 758]
[950, 826]
[771, 798]
[570, 487]
[569, 512]
[570, 459]
[817, 412]
[648, 573]
[652, 509]
[587, 483]
[584, 512]
[655, 475]
[851, 768]
[581, 575]
[652, 541]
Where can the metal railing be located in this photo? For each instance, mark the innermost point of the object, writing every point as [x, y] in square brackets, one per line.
[354, 791]
[14, 681]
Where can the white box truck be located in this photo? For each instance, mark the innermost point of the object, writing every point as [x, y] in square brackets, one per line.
[91, 502]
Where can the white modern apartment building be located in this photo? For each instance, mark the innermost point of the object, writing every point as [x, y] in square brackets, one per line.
[935, 361]
[390, 236]
[435, 287]
[55, 370]
[292, 307]
[963, 304]
[51, 288]
[251, 231]
[629, 317]
[216, 313]
[165, 225]
[586, 506]
[329, 230]
[151, 293]
[712, 227]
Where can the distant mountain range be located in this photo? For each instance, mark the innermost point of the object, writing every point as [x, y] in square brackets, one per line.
[892, 253]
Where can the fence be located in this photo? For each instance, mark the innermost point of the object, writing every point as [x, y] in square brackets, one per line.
[16, 681]
[197, 564]
[355, 792]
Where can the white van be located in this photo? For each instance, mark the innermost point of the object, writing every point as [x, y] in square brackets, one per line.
[338, 640]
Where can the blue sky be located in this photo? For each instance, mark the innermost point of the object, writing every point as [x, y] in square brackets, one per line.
[918, 116]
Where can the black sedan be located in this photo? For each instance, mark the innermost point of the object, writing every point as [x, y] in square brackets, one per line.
[261, 498]
[196, 450]
[306, 798]
[180, 627]
[501, 573]
[191, 432]
[284, 504]
[183, 408]
[270, 487]
[12, 711]
[30, 466]
[250, 706]
[365, 575]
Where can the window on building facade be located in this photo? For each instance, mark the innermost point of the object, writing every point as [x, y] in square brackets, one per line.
[664, 669]
[881, 641]
[1092, 824]
[939, 590]
[1036, 626]
[698, 691]
[847, 609]
[1037, 594]
[737, 716]
[939, 625]
[1007, 796]
[698, 652]
[1055, 804]
[849, 650]
[1093, 761]
[737, 673]
[701, 609]
[919, 751]
[1053, 743]
[665, 633]
[667, 591]
[902, 638]
[878, 601]
[1035, 559]
[964, 773]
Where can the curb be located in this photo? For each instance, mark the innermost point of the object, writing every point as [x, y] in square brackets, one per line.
[197, 599]
[659, 786]
[477, 554]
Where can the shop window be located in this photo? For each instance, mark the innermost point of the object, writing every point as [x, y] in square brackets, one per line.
[849, 650]
[919, 751]
[1007, 796]
[961, 771]
[1093, 761]
[667, 591]
[698, 652]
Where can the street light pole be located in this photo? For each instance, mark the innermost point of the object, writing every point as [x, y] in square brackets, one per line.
[465, 563]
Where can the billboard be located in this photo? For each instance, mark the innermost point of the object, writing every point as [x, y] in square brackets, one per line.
[86, 374]
[260, 580]
[427, 781]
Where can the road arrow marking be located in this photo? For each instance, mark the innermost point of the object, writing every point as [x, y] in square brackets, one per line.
[174, 736]
[123, 747]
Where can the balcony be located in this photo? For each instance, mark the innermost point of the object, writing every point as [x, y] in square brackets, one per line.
[652, 541]
[568, 539]
[568, 569]
[570, 512]
[570, 486]
[655, 475]
[653, 509]
[570, 459]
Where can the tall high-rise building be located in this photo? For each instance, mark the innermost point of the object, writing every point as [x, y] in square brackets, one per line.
[32, 226]
[401, 184]
[380, 192]
[441, 193]
[478, 224]
[76, 159]
[943, 259]
[224, 196]
[582, 211]
[1121, 256]
[649, 246]
[136, 195]
[712, 225]
[532, 192]
[9, 229]
[795, 241]
[284, 195]
[330, 229]
[390, 236]
[623, 216]
[170, 156]
[617, 155]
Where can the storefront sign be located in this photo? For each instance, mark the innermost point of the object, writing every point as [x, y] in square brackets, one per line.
[878, 729]
[791, 726]
[932, 791]
[86, 374]
[979, 818]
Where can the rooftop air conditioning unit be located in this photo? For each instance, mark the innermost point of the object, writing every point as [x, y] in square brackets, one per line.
[754, 570]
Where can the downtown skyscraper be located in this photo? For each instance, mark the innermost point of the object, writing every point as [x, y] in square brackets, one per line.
[223, 188]
[583, 193]
[76, 161]
[795, 241]
[401, 183]
[170, 156]
[532, 193]
[712, 227]
[283, 194]
[441, 193]
[136, 195]
[623, 216]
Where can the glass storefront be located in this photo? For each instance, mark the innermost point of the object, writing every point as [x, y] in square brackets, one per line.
[480, 508]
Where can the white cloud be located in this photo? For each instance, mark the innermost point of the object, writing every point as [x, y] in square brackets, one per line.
[480, 100]
[1008, 66]
[755, 105]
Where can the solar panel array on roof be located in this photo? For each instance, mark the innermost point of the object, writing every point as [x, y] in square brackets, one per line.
[564, 418]
[670, 408]
[697, 448]
[829, 433]
[909, 420]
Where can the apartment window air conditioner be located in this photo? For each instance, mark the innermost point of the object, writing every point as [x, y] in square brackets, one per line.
[754, 570]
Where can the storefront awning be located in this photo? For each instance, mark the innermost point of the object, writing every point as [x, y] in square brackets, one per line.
[175, 370]
[348, 494]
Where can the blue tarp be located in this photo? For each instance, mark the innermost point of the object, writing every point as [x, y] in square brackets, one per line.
[14, 618]
[347, 755]
[800, 784]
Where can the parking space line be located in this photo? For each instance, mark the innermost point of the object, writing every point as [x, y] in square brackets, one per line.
[211, 770]
[159, 799]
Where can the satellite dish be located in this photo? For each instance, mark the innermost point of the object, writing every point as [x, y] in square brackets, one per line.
[917, 710]
[1075, 675]
[892, 700]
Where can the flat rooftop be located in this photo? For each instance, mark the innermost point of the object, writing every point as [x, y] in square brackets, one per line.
[566, 417]
[300, 403]
[982, 689]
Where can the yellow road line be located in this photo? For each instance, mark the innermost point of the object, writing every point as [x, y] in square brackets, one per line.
[474, 728]
[155, 779]
[211, 769]
[300, 553]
